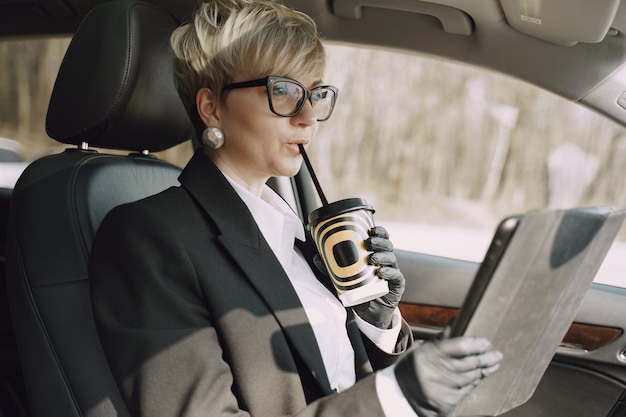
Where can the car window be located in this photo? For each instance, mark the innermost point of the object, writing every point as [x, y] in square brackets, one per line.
[444, 151]
[29, 68]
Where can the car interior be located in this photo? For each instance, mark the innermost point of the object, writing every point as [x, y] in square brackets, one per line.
[114, 91]
[131, 68]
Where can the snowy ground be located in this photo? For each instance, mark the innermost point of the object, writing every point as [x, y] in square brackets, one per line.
[471, 245]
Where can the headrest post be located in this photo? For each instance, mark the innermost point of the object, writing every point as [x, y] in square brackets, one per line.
[84, 146]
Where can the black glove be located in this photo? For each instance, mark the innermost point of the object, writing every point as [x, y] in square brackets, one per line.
[378, 312]
[437, 375]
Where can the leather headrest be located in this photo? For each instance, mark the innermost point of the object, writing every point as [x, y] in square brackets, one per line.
[115, 87]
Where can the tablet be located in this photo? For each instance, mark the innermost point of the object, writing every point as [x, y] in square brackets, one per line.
[500, 241]
[526, 294]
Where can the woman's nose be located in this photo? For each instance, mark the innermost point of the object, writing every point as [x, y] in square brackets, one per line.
[306, 115]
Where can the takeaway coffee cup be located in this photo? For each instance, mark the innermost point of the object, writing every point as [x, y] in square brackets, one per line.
[339, 230]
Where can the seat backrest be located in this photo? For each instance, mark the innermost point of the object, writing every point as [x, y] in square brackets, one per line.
[114, 89]
[12, 395]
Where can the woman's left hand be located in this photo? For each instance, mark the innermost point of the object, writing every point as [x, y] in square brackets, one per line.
[379, 312]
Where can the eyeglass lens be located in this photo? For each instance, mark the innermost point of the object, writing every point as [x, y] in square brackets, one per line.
[287, 98]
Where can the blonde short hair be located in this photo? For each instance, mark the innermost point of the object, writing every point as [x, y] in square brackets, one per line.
[253, 37]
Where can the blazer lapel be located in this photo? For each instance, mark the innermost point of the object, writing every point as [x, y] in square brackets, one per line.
[243, 240]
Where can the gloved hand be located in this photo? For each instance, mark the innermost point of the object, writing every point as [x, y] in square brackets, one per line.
[378, 312]
[437, 375]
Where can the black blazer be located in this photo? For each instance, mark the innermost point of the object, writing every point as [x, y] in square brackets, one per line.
[198, 318]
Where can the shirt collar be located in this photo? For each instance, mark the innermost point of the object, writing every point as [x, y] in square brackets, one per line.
[276, 219]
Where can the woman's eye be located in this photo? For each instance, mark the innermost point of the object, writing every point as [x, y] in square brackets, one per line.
[318, 95]
[280, 89]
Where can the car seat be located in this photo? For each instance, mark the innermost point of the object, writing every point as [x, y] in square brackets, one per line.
[114, 90]
[12, 395]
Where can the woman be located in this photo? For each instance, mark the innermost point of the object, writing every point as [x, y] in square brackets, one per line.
[204, 305]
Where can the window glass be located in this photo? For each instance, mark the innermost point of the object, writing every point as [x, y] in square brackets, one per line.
[444, 151]
[29, 69]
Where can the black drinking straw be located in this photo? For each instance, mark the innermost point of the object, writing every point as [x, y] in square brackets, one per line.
[313, 176]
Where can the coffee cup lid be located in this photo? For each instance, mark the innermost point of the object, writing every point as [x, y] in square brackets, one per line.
[336, 208]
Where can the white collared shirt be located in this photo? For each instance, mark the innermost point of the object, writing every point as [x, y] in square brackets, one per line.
[280, 227]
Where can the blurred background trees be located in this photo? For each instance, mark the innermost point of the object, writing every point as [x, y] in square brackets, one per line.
[457, 144]
[418, 137]
[25, 86]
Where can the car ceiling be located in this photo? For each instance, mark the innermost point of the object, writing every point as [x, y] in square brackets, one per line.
[574, 48]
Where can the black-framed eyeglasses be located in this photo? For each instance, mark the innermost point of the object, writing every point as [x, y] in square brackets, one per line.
[286, 97]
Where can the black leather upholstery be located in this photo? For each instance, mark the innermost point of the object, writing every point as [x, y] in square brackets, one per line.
[12, 395]
[114, 90]
[109, 77]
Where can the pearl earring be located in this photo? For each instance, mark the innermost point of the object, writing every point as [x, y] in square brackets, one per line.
[213, 137]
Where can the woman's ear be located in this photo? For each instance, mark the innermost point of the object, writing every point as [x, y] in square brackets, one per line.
[207, 107]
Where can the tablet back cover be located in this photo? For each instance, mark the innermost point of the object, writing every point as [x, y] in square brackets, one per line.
[533, 298]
